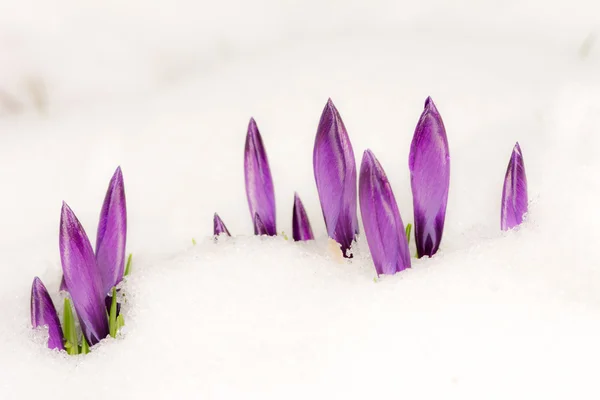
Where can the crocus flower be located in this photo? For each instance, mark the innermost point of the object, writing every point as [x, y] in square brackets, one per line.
[301, 229]
[383, 225]
[335, 175]
[82, 277]
[219, 226]
[259, 184]
[259, 226]
[429, 163]
[44, 313]
[112, 234]
[514, 193]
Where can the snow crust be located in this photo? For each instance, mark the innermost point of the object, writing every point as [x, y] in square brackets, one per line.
[166, 91]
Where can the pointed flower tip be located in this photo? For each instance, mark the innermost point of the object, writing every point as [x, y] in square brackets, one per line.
[384, 228]
[514, 193]
[429, 164]
[43, 313]
[258, 179]
[335, 175]
[301, 229]
[219, 226]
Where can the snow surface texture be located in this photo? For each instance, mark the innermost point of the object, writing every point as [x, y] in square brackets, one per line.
[166, 91]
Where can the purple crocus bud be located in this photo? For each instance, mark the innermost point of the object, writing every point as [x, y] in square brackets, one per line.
[384, 228]
[259, 184]
[514, 194]
[112, 234]
[259, 226]
[44, 313]
[301, 229]
[219, 226]
[429, 163]
[335, 175]
[82, 277]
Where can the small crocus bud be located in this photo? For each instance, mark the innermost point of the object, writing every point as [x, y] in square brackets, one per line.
[259, 226]
[44, 313]
[112, 234]
[429, 163]
[301, 229]
[82, 277]
[335, 175]
[259, 184]
[219, 227]
[514, 193]
[384, 228]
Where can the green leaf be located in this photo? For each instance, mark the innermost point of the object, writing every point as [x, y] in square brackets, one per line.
[408, 229]
[85, 347]
[128, 266]
[69, 327]
[193, 241]
[120, 322]
[112, 317]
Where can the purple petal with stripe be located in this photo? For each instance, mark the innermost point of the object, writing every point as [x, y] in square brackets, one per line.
[384, 228]
[259, 184]
[335, 175]
[82, 277]
[514, 193]
[219, 226]
[44, 313]
[259, 226]
[301, 229]
[429, 163]
[112, 234]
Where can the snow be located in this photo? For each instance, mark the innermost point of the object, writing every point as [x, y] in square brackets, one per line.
[166, 91]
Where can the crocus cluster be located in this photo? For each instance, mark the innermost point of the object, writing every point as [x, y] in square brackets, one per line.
[89, 277]
[336, 180]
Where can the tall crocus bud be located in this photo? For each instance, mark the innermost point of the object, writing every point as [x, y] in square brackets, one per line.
[259, 227]
[429, 163]
[301, 229]
[335, 174]
[82, 277]
[514, 194]
[259, 184]
[219, 226]
[112, 234]
[383, 225]
[44, 313]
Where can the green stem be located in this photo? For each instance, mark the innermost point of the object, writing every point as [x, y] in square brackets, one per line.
[70, 333]
[112, 318]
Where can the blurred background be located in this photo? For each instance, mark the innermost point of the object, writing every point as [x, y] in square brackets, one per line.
[166, 88]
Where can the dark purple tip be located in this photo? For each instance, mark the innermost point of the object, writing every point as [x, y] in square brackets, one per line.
[301, 229]
[219, 226]
[44, 313]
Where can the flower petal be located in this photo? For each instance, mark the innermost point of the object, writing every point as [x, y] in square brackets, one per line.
[259, 226]
[44, 313]
[219, 227]
[514, 193]
[301, 229]
[429, 164]
[335, 175]
[112, 234]
[82, 277]
[259, 184]
[384, 228]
